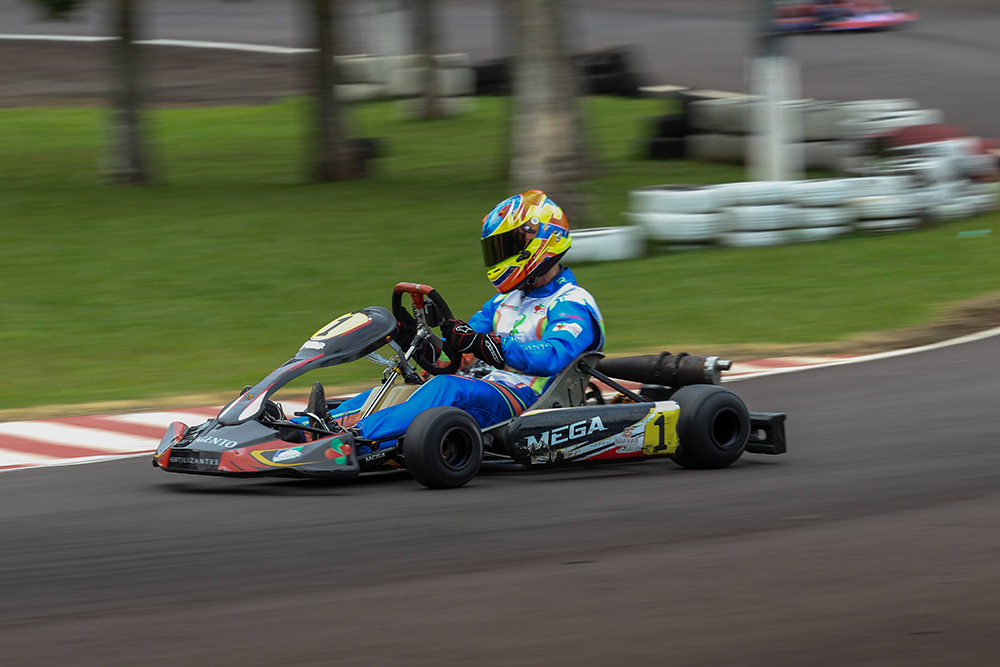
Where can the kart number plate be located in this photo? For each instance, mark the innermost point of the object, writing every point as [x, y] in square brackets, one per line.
[342, 325]
[660, 436]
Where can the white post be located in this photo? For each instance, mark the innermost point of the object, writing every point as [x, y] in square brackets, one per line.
[389, 20]
[775, 151]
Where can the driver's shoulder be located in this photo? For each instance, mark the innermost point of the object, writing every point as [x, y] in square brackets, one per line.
[573, 293]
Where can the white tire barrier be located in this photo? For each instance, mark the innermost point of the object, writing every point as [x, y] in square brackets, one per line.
[453, 61]
[734, 115]
[888, 226]
[978, 166]
[678, 227]
[953, 210]
[727, 114]
[676, 199]
[728, 194]
[837, 216]
[456, 82]
[409, 82]
[947, 148]
[924, 170]
[354, 69]
[932, 195]
[359, 92]
[888, 207]
[717, 147]
[879, 186]
[604, 244]
[869, 126]
[985, 188]
[759, 218]
[761, 193]
[985, 202]
[878, 107]
[406, 82]
[811, 234]
[835, 156]
[820, 121]
[820, 192]
[755, 239]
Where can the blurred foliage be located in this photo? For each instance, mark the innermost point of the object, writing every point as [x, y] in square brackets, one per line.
[212, 278]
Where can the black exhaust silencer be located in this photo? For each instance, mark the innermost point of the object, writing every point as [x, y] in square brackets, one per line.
[665, 369]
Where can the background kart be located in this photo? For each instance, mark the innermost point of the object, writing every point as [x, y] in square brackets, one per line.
[842, 17]
[679, 413]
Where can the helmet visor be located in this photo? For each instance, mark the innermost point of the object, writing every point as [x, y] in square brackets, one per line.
[499, 247]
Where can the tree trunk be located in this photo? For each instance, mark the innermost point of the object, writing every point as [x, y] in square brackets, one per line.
[546, 141]
[128, 156]
[425, 38]
[334, 157]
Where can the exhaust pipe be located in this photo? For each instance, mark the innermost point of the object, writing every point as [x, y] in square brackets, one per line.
[665, 369]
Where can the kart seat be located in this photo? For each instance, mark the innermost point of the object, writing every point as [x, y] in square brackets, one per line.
[569, 389]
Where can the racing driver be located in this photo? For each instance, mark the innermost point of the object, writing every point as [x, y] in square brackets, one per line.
[540, 321]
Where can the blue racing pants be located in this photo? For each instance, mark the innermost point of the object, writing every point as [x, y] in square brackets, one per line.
[487, 402]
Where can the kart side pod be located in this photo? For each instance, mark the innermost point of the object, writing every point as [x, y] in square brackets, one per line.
[701, 426]
[591, 433]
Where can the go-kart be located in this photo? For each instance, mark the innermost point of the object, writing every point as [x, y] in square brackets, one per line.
[863, 15]
[679, 412]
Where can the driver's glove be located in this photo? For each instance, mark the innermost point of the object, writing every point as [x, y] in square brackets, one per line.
[404, 337]
[464, 339]
[405, 334]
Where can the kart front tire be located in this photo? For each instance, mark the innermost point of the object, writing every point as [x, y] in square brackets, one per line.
[713, 427]
[443, 448]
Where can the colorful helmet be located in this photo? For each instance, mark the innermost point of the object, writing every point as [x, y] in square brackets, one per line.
[523, 237]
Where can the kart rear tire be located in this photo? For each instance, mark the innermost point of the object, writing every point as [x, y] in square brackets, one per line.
[713, 427]
[443, 448]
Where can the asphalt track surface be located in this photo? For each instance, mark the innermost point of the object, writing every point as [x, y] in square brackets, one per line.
[874, 541]
[950, 60]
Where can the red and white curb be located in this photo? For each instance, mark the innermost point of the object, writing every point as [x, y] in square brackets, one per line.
[78, 440]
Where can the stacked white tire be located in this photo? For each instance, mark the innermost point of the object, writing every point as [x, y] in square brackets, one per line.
[887, 213]
[822, 212]
[604, 244]
[678, 214]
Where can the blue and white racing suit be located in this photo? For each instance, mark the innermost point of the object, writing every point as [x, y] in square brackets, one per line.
[541, 333]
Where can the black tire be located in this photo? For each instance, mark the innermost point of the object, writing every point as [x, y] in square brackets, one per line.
[443, 448]
[671, 126]
[713, 427]
[666, 149]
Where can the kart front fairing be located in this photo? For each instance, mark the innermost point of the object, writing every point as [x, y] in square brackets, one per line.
[242, 440]
[346, 339]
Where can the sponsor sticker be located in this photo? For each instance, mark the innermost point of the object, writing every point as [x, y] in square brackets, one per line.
[564, 435]
[287, 454]
[629, 440]
[212, 440]
[572, 327]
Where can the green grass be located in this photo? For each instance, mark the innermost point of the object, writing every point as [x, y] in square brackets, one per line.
[211, 278]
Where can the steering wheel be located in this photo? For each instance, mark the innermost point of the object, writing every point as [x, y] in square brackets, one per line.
[430, 314]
